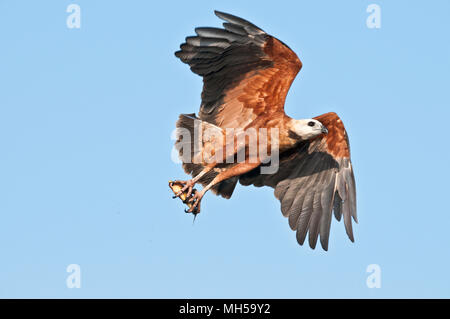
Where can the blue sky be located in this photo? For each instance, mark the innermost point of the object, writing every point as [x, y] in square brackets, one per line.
[85, 122]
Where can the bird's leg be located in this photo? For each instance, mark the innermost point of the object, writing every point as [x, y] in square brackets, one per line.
[195, 201]
[189, 185]
[236, 170]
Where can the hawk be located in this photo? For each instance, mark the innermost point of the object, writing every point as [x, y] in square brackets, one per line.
[246, 75]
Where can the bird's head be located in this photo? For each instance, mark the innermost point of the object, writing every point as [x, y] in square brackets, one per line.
[306, 129]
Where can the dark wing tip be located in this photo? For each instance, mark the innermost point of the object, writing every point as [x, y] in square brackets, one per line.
[324, 242]
[228, 17]
[239, 21]
[349, 231]
[220, 13]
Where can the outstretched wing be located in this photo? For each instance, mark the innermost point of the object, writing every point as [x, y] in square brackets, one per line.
[314, 179]
[245, 71]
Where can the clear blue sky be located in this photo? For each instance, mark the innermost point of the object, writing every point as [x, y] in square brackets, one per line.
[85, 122]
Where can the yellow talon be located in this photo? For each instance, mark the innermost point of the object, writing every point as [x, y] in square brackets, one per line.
[176, 188]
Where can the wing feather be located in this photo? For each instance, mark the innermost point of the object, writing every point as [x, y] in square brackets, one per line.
[245, 71]
[303, 203]
[315, 179]
[305, 217]
[327, 201]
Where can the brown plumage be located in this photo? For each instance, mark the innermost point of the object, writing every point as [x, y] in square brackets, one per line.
[246, 77]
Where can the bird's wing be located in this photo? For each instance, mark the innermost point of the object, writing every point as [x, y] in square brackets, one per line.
[314, 179]
[245, 71]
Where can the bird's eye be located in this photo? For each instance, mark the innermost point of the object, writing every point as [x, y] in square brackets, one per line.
[311, 123]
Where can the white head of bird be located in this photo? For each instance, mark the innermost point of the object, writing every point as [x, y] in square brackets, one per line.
[307, 129]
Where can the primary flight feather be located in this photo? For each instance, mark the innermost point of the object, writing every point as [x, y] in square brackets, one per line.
[246, 75]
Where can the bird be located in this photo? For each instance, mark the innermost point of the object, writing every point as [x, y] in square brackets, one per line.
[247, 74]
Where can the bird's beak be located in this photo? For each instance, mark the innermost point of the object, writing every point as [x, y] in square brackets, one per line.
[324, 130]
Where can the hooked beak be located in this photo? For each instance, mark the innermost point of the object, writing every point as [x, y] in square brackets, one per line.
[324, 130]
